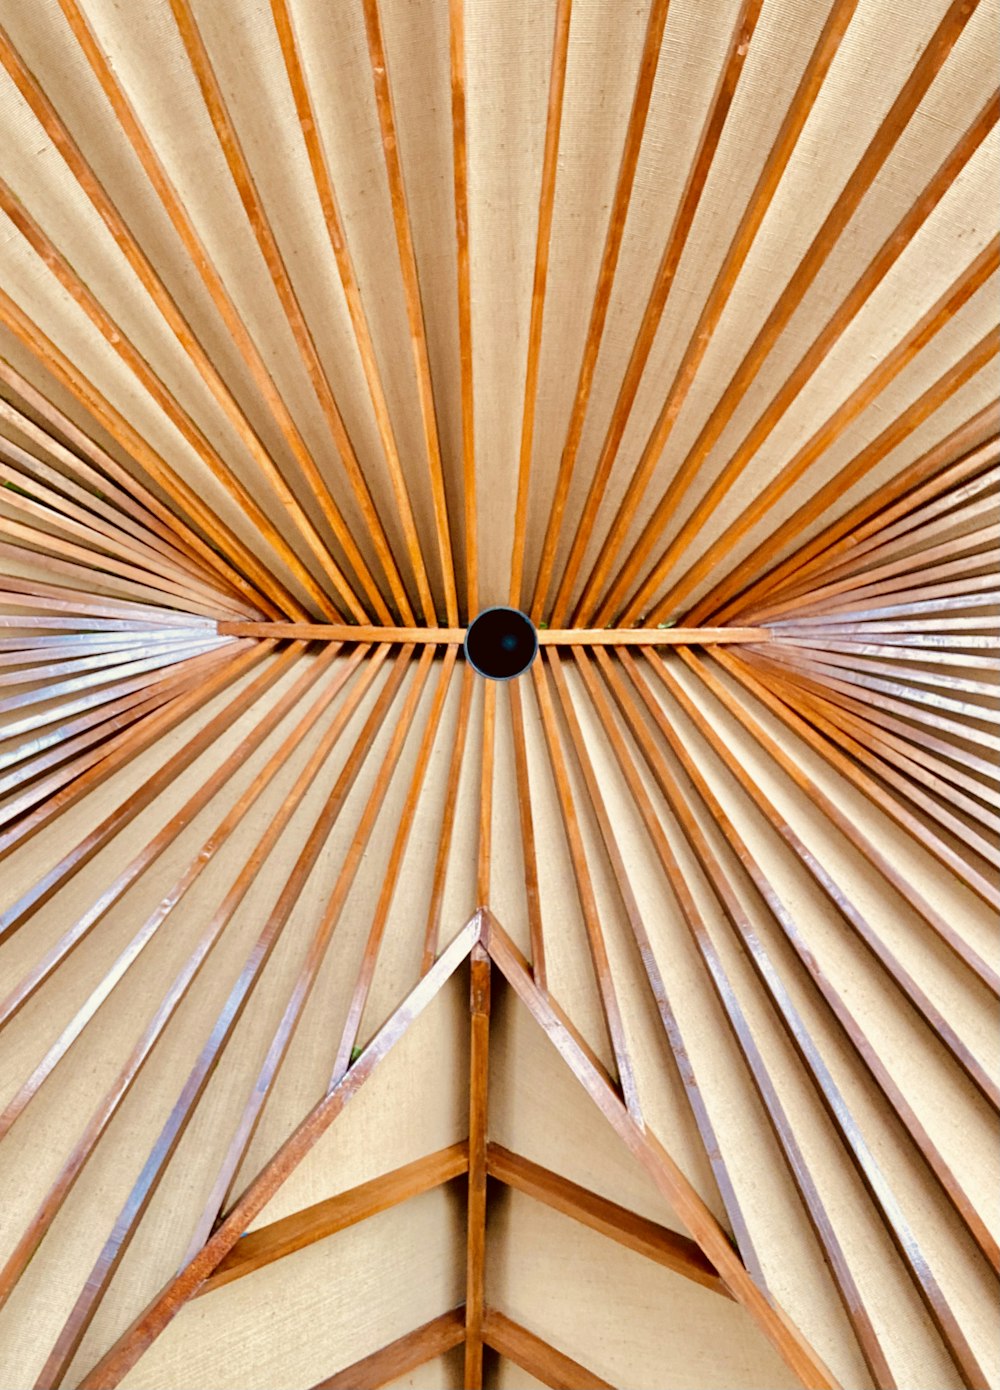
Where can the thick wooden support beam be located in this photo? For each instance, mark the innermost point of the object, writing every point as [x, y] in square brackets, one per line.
[291, 1233]
[403, 1355]
[547, 637]
[676, 1252]
[535, 1356]
[479, 1065]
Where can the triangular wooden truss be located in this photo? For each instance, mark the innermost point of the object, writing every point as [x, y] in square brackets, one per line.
[483, 942]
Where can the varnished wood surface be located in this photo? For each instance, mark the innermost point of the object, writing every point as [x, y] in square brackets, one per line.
[547, 637]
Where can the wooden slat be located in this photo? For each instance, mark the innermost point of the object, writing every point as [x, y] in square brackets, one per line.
[783, 917]
[309, 125]
[904, 982]
[659, 991]
[168, 403]
[414, 304]
[390, 880]
[546, 204]
[826, 239]
[782, 148]
[181, 329]
[175, 1125]
[720, 983]
[91, 462]
[698, 174]
[263, 233]
[320, 937]
[528, 848]
[443, 857]
[937, 317]
[110, 1104]
[456, 55]
[829, 493]
[484, 857]
[648, 62]
[585, 894]
[960, 453]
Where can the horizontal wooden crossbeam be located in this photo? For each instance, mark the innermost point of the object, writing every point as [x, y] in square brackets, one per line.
[455, 636]
[403, 1355]
[669, 1248]
[291, 1233]
[279, 1238]
[533, 1354]
[536, 1357]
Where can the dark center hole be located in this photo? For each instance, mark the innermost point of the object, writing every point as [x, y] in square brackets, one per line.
[501, 643]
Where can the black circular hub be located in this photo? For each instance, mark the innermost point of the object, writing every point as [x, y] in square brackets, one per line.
[501, 643]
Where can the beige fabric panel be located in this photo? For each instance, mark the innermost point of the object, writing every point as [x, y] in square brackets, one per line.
[325, 1307]
[510, 1376]
[443, 1373]
[628, 1321]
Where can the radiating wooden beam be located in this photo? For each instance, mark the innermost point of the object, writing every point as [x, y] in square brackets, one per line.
[585, 894]
[661, 994]
[460, 172]
[484, 858]
[937, 318]
[687, 207]
[443, 857]
[192, 433]
[154, 286]
[128, 491]
[958, 455]
[318, 941]
[259, 224]
[414, 304]
[309, 125]
[546, 205]
[791, 297]
[803, 100]
[648, 63]
[726, 596]
[369, 960]
[529, 853]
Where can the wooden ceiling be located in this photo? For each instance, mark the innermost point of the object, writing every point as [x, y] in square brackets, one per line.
[323, 328]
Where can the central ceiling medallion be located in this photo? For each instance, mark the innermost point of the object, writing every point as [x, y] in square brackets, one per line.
[501, 643]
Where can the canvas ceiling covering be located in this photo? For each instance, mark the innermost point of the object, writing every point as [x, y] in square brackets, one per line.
[754, 871]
